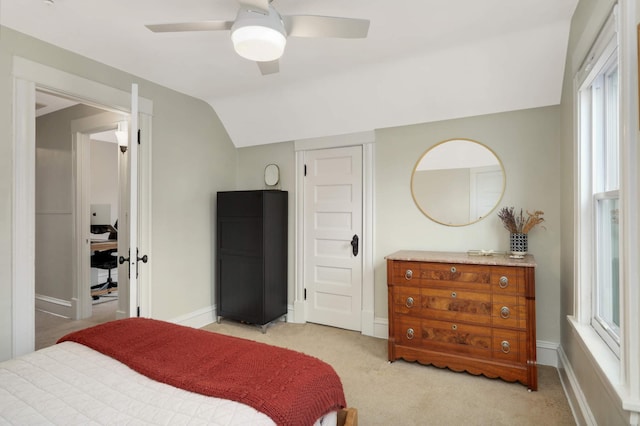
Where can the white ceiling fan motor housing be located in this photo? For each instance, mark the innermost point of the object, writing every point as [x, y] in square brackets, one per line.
[258, 36]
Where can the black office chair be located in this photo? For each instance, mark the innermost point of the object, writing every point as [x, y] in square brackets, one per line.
[105, 260]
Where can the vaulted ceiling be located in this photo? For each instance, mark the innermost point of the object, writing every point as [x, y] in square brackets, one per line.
[423, 60]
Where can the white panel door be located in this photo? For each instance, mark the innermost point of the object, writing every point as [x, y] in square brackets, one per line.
[333, 226]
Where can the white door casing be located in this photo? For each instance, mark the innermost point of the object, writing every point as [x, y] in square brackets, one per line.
[27, 75]
[333, 225]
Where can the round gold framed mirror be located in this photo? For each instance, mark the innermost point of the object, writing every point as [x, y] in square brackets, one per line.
[458, 182]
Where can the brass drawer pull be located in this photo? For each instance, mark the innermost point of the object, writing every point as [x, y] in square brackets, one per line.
[454, 327]
[453, 269]
[505, 312]
[409, 302]
[454, 294]
[408, 274]
[410, 333]
[504, 282]
[506, 347]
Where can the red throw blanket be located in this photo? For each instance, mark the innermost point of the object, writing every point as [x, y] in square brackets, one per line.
[290, 387]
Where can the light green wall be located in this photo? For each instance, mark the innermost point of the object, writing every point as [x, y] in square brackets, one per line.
[6, 188]
[528, 144]
[192, 158]
[54, 201]
[250, 175]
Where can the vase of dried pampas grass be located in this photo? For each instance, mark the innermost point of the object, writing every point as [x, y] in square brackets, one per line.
[519, 226]
[518, 244]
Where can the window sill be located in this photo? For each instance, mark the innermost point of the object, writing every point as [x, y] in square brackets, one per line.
[601, 355]
[608, 365]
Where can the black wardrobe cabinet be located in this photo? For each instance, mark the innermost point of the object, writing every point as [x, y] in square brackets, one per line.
[251, 254]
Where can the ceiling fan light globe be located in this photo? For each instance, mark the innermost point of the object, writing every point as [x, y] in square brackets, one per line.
[258, 43]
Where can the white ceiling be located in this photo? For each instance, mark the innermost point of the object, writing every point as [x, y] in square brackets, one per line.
[47, 103]
[424, 60]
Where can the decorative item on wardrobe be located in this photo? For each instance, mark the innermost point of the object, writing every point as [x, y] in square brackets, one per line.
[519, 226]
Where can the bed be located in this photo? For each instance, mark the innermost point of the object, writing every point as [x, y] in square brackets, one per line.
[144, 371]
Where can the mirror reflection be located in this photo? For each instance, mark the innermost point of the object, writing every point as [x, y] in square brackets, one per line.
[458, 182]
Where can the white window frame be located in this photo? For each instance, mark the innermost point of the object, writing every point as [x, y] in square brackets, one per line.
[598, 181]
[603, 56]
[621, 373]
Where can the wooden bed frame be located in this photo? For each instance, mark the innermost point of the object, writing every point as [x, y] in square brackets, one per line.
[348, 417]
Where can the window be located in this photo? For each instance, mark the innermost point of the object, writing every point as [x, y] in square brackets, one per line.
[599, 175]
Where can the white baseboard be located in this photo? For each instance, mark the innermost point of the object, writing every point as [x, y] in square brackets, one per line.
[381, 328]
[297, 313]
[54, 306]
[547, 353]
[197, 319]
[368, 320]
[577, 401]
[290, 313]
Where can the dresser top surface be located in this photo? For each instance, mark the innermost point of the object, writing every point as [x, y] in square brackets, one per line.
[460, 257]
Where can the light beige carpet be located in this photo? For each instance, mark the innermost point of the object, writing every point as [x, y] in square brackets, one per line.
[403, 393]
[398, 393]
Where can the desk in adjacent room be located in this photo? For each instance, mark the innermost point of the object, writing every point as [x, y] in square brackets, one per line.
[100, 245]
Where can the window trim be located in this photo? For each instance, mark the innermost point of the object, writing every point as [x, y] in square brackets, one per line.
[599, 59]
[621, 377]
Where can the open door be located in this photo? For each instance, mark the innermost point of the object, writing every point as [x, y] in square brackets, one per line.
[131, 258]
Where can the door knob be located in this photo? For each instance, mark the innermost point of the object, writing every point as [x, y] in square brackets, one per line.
[354, 245]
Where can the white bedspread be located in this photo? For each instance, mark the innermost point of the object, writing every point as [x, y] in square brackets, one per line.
[69, 383]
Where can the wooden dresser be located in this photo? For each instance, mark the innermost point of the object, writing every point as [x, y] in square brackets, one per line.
[463, 312]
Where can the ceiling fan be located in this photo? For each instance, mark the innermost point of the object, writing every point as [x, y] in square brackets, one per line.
[259, 33]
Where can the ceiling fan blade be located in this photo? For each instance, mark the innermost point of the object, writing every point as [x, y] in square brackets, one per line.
[325, 26]
[191, 26]
[270, 67]
[257, 5]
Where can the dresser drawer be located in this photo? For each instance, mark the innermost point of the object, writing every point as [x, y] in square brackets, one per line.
[404, 273]
[460, 276]
[506, 280]
[469, 277]
[509, 311]
[406, 300]
[444, 336]
[510, 346]
[456, 305]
